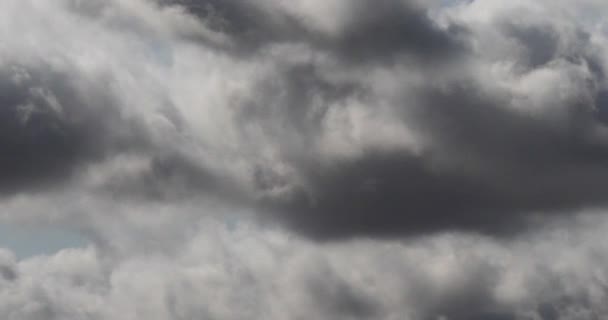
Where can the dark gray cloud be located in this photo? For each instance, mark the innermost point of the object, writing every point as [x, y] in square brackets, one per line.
[341, 119]
[489, 162]
[389, 28]
[486, 164]
[379, 31]
[242, 19]
[51, 124]
[490, 168]
[8, 273]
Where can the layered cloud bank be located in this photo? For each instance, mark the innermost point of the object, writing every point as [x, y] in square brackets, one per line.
[411, 154]
[241, 271]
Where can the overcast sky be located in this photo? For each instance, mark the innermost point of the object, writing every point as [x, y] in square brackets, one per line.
[303, 159]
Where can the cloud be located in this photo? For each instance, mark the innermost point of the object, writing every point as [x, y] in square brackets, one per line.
[356, 31]
[53, 121]
[493, 149]
[477, 144]
[210, 149]
[230, 272]
[310, 123]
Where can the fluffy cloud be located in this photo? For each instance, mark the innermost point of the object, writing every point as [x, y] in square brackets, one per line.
[434, 141]
[339, 119]
[232, 271]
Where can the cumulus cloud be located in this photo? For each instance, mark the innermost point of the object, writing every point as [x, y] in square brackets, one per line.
[479, 142]
[232, 271]
[431, 142]
[356, 31]
[337, 119]
[53, 121]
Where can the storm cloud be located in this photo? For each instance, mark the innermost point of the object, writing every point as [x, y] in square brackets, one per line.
[449, 135]
[354, 31]
[52, 123]
[339, 159]
[342, 119]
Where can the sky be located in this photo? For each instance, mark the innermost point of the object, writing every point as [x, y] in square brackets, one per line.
[27, 242]
[303, 159]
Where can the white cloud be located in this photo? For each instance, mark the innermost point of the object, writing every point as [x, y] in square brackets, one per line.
[231, 272]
